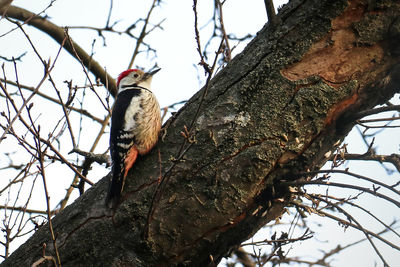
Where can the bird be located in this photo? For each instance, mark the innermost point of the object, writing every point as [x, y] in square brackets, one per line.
[135, 126]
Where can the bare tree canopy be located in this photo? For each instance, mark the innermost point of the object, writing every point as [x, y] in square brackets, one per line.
[238, 154]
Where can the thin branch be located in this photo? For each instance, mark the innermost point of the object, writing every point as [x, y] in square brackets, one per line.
[56, 101]
[373, 111]
[81, 61]
[227, 48]
[346, 223]
[41, 167]
[346, 201]
[272, 18]
[58, 34]
[393, 158]
[391, 188]
[24, 209]
[99, 158]
[143, 34]
[197, 34]
[365, 231]
[355, 187]
[378, 120]
[85, 164]
[14, 58]
[109, 15]
[45, 141]
[306, 235]
[64, 160]
[19, 110]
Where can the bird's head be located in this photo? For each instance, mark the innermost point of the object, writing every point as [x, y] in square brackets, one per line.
[133, 78]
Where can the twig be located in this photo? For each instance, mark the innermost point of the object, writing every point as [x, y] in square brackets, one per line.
[368, 112]
[109, 15]
[227, 48]
[197, 34]
[346, 201]
[165, 109]
[393, 158]
[360, 227]
[18, 111]
[377, 120]
[306, 235]
[14, 58]
[84, 66]
[355, 187]
[31, 17]
[99, 158]
[66, 114]
[47, 70]
[24, 209]
[43, 140]
[32, 89]
[66, 162]
[347, 223]
[75, 183]
[272, 18]
[142, 35]
[44, 259]
[40, 157]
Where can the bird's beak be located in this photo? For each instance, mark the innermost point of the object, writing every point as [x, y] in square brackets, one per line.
[151, 73]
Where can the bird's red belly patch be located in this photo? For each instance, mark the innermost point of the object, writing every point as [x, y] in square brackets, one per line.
[130, 159]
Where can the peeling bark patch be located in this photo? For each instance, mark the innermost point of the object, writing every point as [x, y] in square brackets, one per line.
[337, 58]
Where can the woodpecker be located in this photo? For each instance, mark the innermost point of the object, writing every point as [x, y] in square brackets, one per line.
[135, 126]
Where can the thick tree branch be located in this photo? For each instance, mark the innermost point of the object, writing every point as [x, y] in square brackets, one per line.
[275, 110]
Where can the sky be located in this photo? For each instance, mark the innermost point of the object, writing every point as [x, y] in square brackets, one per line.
[178, 80]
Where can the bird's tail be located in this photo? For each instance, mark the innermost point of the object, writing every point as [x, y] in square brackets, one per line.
[119, 173]
[116, 185]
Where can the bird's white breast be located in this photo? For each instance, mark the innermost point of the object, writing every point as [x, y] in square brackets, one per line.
[133, 111]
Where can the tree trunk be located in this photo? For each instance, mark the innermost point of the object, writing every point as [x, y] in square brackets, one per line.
[274, 111]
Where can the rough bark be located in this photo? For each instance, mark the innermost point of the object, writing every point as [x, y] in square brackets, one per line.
[273, 112]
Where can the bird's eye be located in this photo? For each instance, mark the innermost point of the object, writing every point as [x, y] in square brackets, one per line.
[135, 75]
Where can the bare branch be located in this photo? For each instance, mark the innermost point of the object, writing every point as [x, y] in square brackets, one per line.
[41, 167]
[355, 187]
[393, 158]
[24, 209]
[59, 35]
[57, 101]
[272, 18]
[19, 58]
[99, 158]
[143, 33]
[373, 111]
[224, 35]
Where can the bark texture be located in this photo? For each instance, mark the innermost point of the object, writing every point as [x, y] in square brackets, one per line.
[273, 112]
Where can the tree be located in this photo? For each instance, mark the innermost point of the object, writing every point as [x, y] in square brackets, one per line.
[241, 149]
